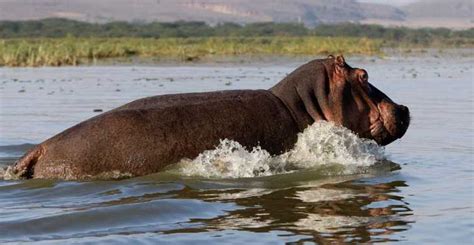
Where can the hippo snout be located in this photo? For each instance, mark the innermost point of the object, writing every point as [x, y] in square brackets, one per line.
[403, 117]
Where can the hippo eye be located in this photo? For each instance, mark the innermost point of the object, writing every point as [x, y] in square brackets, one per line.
[364, 77]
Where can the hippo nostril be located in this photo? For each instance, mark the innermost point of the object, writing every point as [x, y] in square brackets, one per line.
[404, 108]
[403, 118]
[403, 111]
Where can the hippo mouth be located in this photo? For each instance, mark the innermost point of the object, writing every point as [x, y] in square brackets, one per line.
[390, 124]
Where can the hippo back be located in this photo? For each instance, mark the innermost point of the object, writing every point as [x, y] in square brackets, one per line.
[146, 135]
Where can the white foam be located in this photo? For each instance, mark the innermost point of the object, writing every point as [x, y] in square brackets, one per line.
[229, 160]
[322, 144]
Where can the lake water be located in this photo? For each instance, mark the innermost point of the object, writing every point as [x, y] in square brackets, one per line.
[429, 200]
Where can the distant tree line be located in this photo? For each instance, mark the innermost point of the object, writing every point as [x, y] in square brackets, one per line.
[55, 27]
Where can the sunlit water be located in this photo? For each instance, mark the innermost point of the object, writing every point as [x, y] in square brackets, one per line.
[429, 200]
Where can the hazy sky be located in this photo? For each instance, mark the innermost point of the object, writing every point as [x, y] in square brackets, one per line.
[391, 2]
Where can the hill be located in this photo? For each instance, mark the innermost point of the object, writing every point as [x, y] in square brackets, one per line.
[422, 13]
[457, 14]
[309, 12]
[455, 9]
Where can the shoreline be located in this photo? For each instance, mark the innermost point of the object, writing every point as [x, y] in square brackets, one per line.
[91, 51]
[75, 51]
[270, 59]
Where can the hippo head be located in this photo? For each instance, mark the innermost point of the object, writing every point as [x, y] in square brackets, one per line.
[329, 89]
[368, 111]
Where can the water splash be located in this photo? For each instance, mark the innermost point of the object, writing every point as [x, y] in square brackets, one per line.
[229, 160]
[323, 145]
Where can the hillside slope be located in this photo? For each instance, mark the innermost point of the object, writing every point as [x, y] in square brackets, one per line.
[309, 12]
[422, 13]
[440, 8]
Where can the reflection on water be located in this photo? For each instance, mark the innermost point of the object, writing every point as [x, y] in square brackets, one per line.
[338, 209]
[341, 212]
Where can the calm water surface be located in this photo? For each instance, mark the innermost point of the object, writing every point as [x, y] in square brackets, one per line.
[430, 200]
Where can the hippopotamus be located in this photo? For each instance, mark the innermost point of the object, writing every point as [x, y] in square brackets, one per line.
[149, 134]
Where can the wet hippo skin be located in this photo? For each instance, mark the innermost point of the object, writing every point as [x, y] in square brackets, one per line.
[146, 135]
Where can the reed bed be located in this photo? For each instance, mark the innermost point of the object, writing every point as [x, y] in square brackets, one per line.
[74, 51]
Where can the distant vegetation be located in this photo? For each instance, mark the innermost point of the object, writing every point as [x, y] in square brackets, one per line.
[67, 42]
[73, 51]
[62, 27]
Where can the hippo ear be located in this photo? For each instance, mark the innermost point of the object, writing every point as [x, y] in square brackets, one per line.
[330, 56]
[340, 61]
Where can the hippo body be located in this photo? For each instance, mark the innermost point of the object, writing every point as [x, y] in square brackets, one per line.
[145, 136]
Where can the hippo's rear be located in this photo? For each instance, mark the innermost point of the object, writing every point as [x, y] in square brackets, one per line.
[146, 135]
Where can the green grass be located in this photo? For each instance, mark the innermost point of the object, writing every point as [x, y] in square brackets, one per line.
[74, 51]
